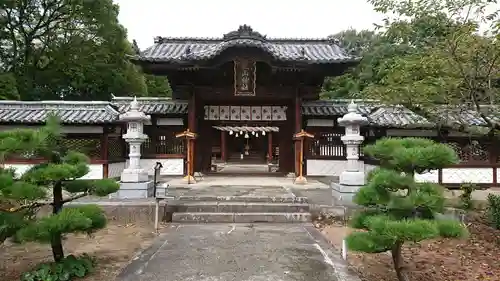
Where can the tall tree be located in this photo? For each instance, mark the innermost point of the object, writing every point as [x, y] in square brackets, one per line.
[66, 48]
[452, 57]
[158, 86]
[350, 84]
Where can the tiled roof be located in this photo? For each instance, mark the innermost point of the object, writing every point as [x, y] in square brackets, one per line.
[70, 112]
[334, 107]
[99, 112]
[377, 114]
[293, 50]
[453, 116]
[152, 105]
[398, 117]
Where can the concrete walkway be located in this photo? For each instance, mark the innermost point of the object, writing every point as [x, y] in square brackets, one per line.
[226, 252]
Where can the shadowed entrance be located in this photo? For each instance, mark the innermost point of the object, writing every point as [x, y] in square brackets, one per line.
[246, 150]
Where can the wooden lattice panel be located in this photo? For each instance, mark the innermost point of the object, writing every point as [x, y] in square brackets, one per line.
[327, 144]
[88, 146]
[115, 148]
[471, 152]
[167, 143]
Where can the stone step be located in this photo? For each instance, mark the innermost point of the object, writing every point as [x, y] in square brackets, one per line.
[241, 207]
[241, 217]
[247, 199]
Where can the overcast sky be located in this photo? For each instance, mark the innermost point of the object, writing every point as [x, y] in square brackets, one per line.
[145, 19]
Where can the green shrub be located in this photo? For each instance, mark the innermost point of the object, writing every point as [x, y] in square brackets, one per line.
[494, 210]
[466, 196]
[68, 268]
[396, 208]
[44, 185]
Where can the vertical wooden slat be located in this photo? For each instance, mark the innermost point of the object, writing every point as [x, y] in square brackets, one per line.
[104, 152]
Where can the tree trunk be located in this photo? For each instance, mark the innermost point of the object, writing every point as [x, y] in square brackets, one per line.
[397, 259]
[56, 242]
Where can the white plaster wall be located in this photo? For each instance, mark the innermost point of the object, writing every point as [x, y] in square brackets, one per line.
[317, 167]
[473, 175]
[431, 176]
[320, 167]
[171, 167]
[115, 169]
[96, 170]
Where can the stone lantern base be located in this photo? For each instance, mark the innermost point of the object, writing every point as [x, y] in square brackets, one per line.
[134, 175]
[134, 190]
[343, 195]
[344, 191]
[134, 184]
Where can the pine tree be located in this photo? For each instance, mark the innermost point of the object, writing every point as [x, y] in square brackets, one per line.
[22, 196]
[396, 209]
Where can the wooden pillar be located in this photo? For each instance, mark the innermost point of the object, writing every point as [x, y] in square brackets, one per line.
[191, 172]
[153, 134]
[298, 114]
[191, 128]
[298, 128]
[189, 137]
[300, 139]
[223, 136]
[269, 147]
[493, 149]
[104, 152]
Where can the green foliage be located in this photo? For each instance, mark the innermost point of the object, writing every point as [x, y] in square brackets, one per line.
[8, 87]
[83, 219]
[451, 54]
[396, 208]
[427, 52]
[355, 80]
[466, 196]
[494, 210]
[411, 155]
[75, 50]
[43, 184]
[158, 86]
[67, 269]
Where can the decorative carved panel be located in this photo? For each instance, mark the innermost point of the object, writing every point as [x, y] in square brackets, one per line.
[235, 113]
[278, 113]
[245, 113]
[224, 113]
[256, 113]
[245, 76]
[267, 114]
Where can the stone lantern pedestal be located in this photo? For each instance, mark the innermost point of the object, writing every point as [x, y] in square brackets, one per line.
[134, 180]
[353, 177]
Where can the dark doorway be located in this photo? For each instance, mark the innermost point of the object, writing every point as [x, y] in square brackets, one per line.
[247, 148]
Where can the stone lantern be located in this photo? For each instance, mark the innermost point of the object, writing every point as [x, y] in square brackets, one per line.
[353, 177]
[135, 181]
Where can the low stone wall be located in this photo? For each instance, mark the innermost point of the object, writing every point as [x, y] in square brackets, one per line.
[125, 213]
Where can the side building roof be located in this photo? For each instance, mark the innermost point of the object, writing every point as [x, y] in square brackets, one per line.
[70, 112]
[107, 112]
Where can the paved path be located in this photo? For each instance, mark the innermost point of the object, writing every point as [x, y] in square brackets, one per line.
[225, 252]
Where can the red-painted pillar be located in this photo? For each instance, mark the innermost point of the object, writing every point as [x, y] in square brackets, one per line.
[223, 145]
[298, 128]
[269, 147]
[192, 127]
